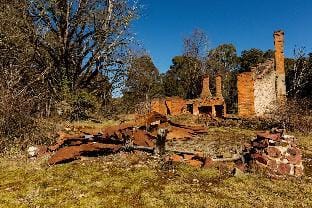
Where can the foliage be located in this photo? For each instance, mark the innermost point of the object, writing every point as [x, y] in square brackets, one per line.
[83, 104]
[223, 60]
[183, 78]
[143, 81]
[252, 57]
[299, 74]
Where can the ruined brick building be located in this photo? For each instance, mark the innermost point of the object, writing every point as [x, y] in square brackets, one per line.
[263, 89]
[206, 104]
[260, 91]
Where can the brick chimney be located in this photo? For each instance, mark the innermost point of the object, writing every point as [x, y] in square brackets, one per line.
[205, 90]
[280, 67]
[219, 86]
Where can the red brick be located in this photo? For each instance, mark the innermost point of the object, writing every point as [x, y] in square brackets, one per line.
[268, 135]
[176, 158]
[294, 156]
[273, 152]
[195, 163]
[208, 162]
[284, 169]
[260, 158]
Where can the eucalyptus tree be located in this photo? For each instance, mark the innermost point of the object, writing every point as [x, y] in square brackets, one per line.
[82, 41]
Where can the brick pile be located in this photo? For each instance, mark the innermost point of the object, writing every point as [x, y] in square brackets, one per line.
[277, 154]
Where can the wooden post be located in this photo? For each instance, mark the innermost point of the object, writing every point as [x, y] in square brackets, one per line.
[160, 148]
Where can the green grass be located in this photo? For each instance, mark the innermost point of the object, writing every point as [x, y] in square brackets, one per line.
[135, 180]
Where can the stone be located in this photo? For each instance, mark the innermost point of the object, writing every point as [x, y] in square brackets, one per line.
[260, 143]
[268, 135]
[272, 164]
[32, 151]
[260, 158]
[284, 169]
[273, 152]
[294, 156]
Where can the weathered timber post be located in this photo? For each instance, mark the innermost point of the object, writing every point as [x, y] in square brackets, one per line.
[161, 142]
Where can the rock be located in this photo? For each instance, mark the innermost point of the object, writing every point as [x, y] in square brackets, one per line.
[176, 158]
[32, 151]
[294, 156]
[268, 135]
[273, 152]
[283, 169]
[260, 158]
[188, 156]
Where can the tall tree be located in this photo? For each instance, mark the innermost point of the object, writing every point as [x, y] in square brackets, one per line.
[143, 80]
[223, 60]
[82, 39]
[299, 74]
[183, 78]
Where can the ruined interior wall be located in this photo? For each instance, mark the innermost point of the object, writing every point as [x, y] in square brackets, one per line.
[176, 105]
[265, 93]
[245, 88]
[159, 106]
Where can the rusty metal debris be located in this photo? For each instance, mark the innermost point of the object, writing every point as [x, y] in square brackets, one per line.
[140, 134]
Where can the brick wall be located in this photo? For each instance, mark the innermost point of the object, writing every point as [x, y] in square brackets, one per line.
[159, 106]
[280, 66]
[205, 88]
[245, 88]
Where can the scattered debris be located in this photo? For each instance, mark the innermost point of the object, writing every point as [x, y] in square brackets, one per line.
[141, 135]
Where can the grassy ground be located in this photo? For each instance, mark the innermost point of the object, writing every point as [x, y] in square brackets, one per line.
[135, 180]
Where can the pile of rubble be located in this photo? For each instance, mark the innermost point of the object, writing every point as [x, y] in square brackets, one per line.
[273, 151]
[276, 153]
[141, 134]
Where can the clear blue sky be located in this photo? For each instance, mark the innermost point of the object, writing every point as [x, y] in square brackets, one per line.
[245, 23]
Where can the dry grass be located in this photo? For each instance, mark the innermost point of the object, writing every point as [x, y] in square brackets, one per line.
[136, 181]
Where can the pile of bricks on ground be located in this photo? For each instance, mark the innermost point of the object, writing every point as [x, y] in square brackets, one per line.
[273, 153]
[276, 153]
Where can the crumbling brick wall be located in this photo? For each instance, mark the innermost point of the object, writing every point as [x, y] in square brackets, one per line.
[175, 105]
[263, 90]
[159, 106]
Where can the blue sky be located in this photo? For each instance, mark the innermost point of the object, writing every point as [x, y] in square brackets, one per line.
[245, 23]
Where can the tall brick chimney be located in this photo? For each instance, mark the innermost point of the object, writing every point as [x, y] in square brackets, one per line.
[219, 86]
[205, 90]
[280, 67]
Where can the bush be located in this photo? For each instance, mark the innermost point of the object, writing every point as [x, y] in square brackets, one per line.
[83, 105]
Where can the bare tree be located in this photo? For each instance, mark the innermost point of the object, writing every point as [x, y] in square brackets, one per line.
[300, 74]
